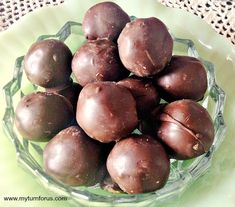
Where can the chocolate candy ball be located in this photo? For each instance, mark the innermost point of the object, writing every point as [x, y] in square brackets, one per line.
[104, 20]
[48, 63]
[138, 164]
[98, 61]
[41, 115]
[145, 94]
[186, 128]
[145, 46]
[73, 158]
[184, 78]
[106, 111]
[70, 91]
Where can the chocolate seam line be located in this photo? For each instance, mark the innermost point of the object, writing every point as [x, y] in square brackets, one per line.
[169, 118]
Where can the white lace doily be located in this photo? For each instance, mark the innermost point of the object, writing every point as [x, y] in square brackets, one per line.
[220, 14]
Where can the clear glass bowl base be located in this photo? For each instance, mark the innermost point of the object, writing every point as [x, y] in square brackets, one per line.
[183, 173]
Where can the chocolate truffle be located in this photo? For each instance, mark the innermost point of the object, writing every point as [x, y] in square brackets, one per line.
[185, 127]
[70, 91]
[73, 158]
[138, 164]
[98, 61]
[104, 20]
[41, 115]
[48, 63]
[145, 46]
[145, 94]
[106, 111]
[184, 78]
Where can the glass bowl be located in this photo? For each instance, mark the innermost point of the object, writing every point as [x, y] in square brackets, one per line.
[183, 173]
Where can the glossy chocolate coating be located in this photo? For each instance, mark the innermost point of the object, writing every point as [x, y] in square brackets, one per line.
[104, 20]
[185, 127]
[48, 63]
[145, 94]
[106, 111]
[73, 158]
[145, 46]
[184, 78]
[41, 115]
[98, 61]
[138, 164]
[70, 91]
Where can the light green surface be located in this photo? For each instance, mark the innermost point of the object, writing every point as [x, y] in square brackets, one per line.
[216, 188]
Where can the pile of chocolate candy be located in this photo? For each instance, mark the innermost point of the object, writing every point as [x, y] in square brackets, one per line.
[122, 72]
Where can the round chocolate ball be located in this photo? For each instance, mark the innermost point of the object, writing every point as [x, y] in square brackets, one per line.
[41, 115]
[145, 46]
[138, 164]
[106, 111]
[98, 61]
[48, 63]
[104, 20]
[70, 91]
[145, 94]
[73, 158]
[185, 127]
[183, 78]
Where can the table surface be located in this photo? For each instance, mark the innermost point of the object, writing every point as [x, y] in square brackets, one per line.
[220, 14]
